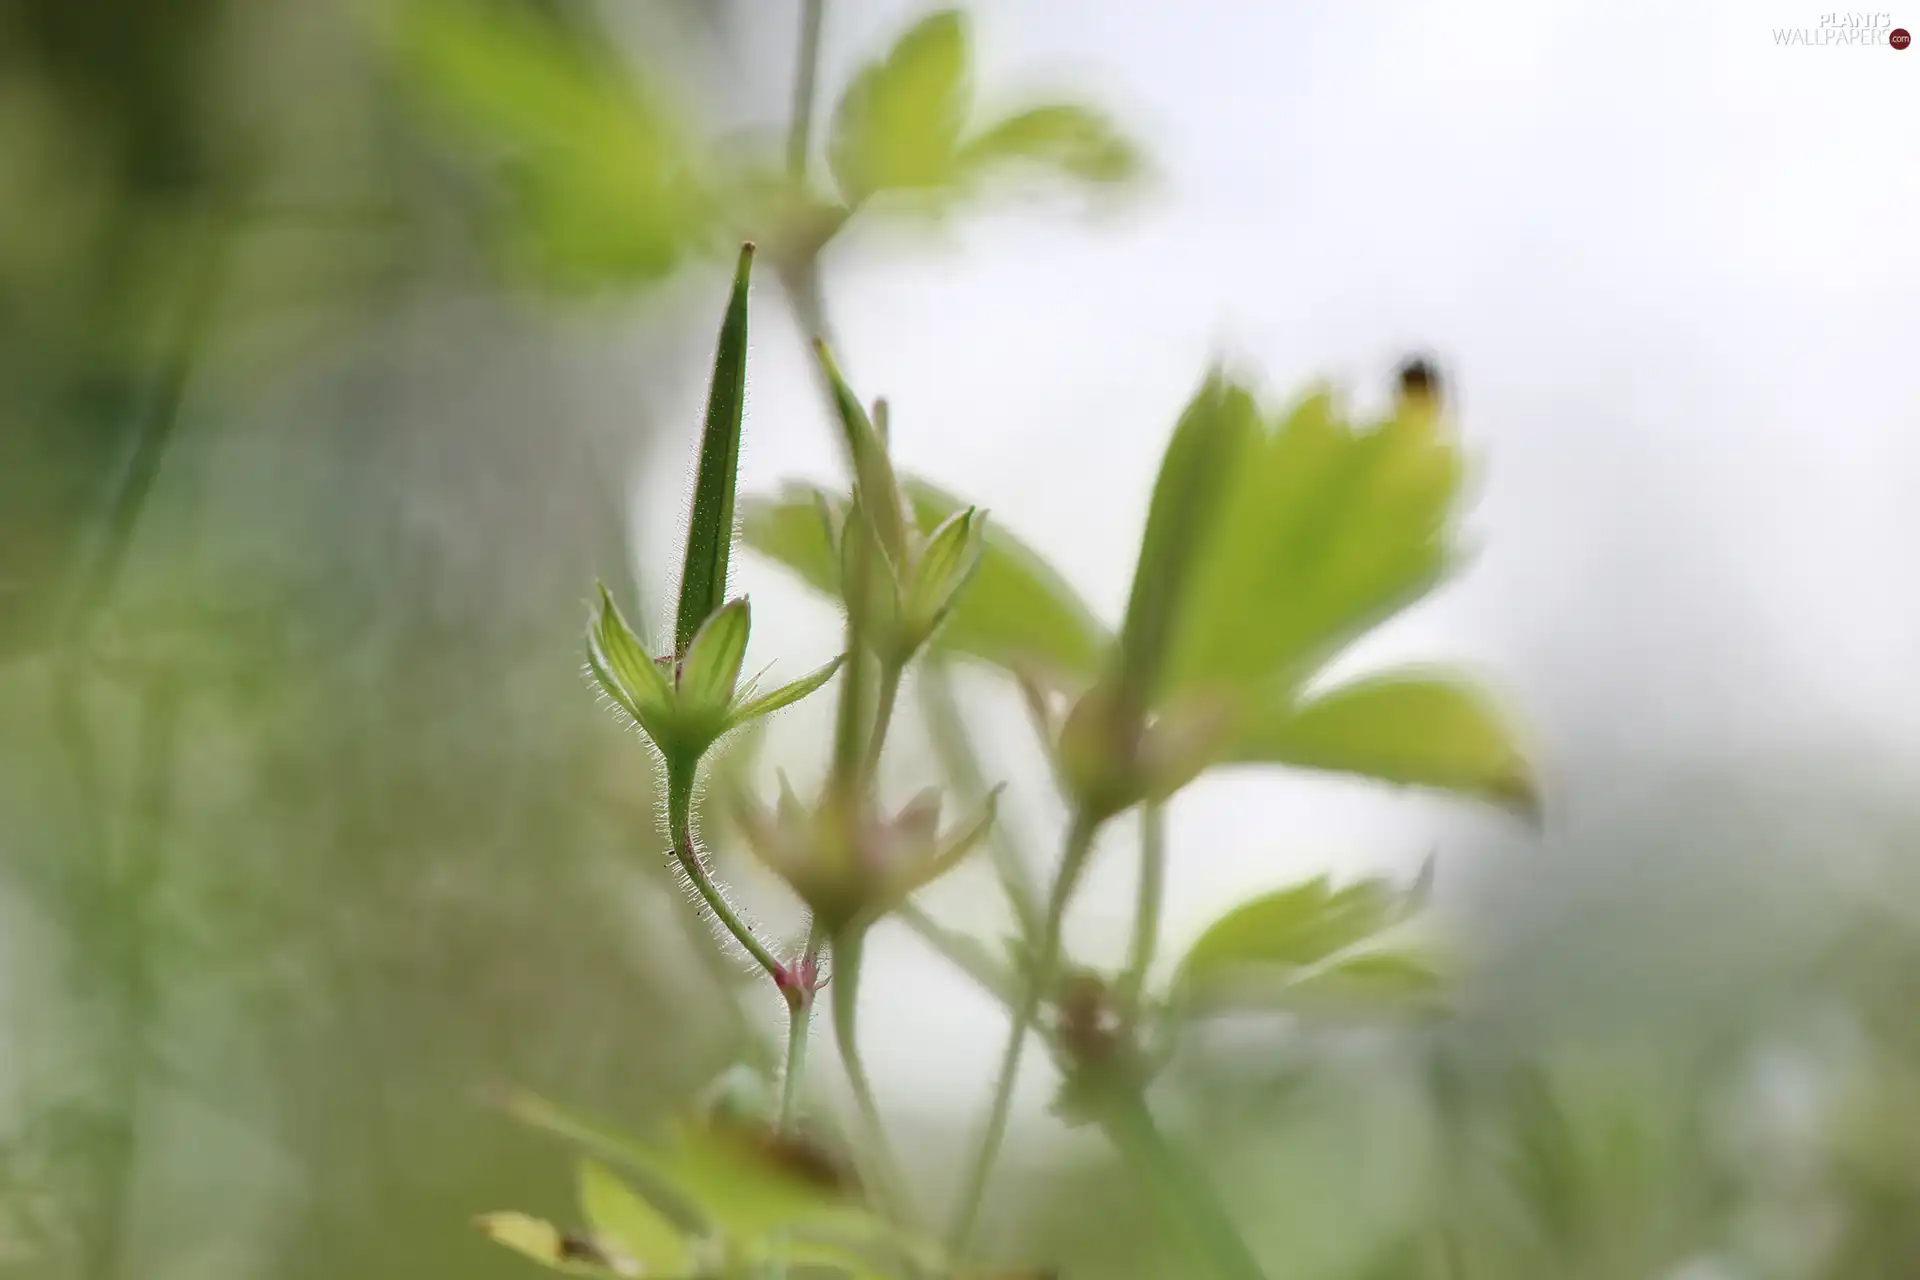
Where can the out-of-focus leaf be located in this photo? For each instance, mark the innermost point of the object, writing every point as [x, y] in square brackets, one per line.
[1326, 530]
[1216, 430]
[1364, 984]
[551, 1247]
[788, 530]
[1014, 610]
[742, 1179]
[1068, 139]
[899, 124]
[1292, 928]
[1420, 729]
[626, 1224]
[603, 180]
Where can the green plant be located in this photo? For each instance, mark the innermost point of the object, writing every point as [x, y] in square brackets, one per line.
[1276, 537]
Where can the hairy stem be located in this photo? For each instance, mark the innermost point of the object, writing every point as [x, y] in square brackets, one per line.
[1046, 957]
[799, 1018]
[885, 1171]
[1146, 911]
[680, 823]
[962, 765]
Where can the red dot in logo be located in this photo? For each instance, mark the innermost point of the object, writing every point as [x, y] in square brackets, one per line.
[1899, 38]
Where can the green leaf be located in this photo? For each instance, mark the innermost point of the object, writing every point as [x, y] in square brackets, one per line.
[600, 180]
[789, 530]
[622, 666]
[743, 1180]
[1208, 445]
[1015, 611]
[787, 694]
[703, 580]
[625, 1223]
[712, 665]
[898, 126]
[1292, 928]
[1325, 531]
[1072, 140]
[1417, 729]
[1364, 984]
[549, 1246]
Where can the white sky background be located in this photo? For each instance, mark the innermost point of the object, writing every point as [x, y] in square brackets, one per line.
[1673, 269]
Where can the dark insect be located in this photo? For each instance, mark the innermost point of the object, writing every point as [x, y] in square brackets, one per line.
[580, 1249]
[1419, 379]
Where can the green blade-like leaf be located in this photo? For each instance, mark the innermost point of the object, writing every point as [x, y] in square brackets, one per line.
[703, 580]
[787, 694]
[1208, 446]
[1015, 610]
[622, 666]
[712, 665]
[626, 1223]
[1292, 928]
[1073, 140]
[898, 126]
[1418, 729]
[1325, 531]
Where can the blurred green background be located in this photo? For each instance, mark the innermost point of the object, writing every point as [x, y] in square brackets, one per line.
[310, 831]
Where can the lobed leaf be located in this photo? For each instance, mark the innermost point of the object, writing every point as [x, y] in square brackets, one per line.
[1210, 441]
[1325, 531]
[1072, 140]
[1292, 928]
[898, 126]
[600, 180]
[1413, 728]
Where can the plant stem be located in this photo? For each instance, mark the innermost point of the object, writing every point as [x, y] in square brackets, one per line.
[799, 1018]
[806, 75]
[1046, 957]
[847, 950]
[890, 673]
[1146, 912]
[962, 952]
[680, 823]
[958, 759]
[1181, 1190]
[1120, 1109]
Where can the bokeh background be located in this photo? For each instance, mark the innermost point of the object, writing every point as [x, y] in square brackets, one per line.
[310, 829]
